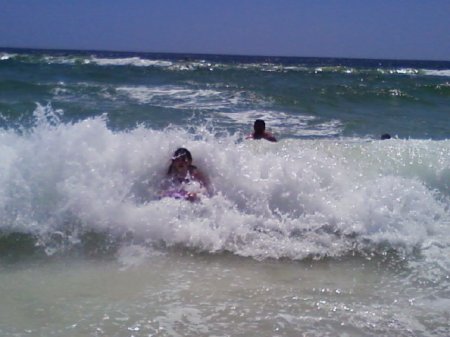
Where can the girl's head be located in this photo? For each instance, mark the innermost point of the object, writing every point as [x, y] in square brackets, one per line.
[181, 160]
[182, 153]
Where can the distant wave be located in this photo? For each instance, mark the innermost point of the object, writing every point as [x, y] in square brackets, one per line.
[6, 56]
[133, 61]
[186, 97]
[189, 64]
[445, 73]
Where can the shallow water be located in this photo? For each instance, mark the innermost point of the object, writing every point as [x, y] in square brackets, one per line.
[180, 293]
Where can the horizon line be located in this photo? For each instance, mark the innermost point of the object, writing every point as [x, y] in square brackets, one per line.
[218, 54]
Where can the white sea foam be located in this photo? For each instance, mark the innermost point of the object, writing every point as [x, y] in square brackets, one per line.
[6, 56]
[413, 71]
[406, 71]
[432, 72]
[180, 97]
[130, 61]
[293, 199]
[58, 60]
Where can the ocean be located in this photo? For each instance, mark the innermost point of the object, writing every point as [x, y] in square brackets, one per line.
[330, 231]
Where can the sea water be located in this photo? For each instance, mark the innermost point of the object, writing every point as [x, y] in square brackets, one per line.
[328, 232]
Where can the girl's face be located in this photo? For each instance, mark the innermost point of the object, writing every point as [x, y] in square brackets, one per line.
[181, 164]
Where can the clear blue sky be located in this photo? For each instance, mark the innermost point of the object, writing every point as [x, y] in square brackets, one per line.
[395, 29]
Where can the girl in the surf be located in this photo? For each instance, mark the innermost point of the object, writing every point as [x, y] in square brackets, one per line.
[184, 180]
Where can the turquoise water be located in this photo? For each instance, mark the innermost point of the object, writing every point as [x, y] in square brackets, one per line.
[300, 97]
[330, 231]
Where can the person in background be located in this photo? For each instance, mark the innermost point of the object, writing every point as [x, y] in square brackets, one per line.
[385, 136]
[259, 132]
[184, 179]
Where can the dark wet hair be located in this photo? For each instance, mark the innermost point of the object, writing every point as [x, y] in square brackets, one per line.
[179, 153]
[259, 128]
[260, 123]
[182, 152]
[385, 136]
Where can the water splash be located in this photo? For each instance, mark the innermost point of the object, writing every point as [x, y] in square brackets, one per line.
[82, 184]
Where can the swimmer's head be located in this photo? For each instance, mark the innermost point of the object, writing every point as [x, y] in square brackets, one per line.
[259, 126]
[182, 153]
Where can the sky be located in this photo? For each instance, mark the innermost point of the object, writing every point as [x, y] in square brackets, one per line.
[391, 29]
